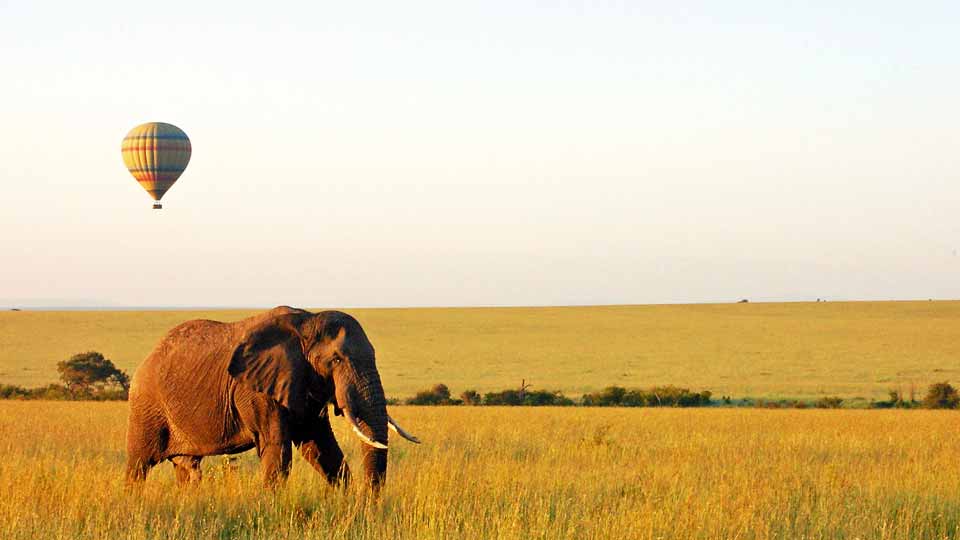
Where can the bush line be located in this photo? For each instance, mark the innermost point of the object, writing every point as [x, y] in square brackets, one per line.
[90, 376]
[939, 396]
[59, 392]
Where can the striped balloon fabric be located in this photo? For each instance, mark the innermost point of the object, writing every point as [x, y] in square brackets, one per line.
[156, 154]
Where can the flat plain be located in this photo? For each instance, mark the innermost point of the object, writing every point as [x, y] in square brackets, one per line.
[492, 472]
[789, 350]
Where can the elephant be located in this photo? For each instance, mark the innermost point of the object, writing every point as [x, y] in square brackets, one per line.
[264, 382]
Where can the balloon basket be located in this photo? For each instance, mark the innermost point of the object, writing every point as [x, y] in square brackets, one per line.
[157, 206]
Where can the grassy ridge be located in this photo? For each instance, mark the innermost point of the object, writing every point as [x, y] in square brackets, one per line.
[858, 349]
[513, 473]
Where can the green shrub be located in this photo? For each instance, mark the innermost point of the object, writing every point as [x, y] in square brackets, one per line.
[941, 396]
[10, 391]
[438, 395]
[506, 397]
[536, 398]
[896, 401]
[61, 392]
[832, 402]
[611, 396]
[471, 397]
[544, 398]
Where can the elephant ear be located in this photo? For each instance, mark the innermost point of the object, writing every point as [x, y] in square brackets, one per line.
[271, 362]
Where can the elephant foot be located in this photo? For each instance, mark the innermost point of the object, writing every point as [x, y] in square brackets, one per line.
[187, 469]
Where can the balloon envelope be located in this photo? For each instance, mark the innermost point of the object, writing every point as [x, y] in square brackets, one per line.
[156, 154]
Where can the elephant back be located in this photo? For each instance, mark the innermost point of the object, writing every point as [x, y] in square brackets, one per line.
[192, 356]
[267, 316]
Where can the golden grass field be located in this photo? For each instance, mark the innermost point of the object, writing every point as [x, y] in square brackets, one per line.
[794, 350]
[488, 472]
[513, 473]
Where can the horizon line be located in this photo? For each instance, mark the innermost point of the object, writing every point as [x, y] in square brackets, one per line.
[26, 307]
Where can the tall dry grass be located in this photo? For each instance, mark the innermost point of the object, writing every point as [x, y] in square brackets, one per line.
[513, 473]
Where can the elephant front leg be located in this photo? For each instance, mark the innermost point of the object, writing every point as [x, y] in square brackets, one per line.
[274, 462]
[319, 447]
[271, 436]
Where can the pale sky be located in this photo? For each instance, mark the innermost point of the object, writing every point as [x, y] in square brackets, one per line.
[482, 153]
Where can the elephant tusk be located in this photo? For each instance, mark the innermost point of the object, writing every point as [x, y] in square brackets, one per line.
[368, 440]
[363, 436]
[393, 425]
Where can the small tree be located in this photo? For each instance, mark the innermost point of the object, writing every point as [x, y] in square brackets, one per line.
[471, 397]
[522, 393]
[438, 395]
[941, 396]
[90, 371]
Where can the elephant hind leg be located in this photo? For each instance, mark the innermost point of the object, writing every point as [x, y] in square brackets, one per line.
[147, 438]
[137, 469]
[187, 469]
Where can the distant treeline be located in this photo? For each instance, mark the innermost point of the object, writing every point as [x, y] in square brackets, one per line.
[60, 392]
[613, 396]
[91, 377]
[939, 396]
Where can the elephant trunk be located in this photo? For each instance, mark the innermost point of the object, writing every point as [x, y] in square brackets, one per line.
[375, 466]
[365, 407]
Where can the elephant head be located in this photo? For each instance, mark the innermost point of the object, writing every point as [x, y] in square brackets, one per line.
[300, 358]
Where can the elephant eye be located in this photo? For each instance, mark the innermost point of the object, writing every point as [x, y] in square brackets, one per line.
[336, 359]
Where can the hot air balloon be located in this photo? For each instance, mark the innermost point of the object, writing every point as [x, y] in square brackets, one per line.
[156, 155]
